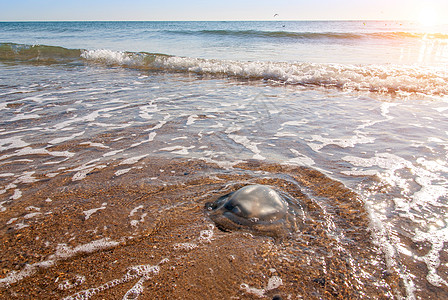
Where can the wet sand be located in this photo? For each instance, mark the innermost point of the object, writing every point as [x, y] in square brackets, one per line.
[145, 233]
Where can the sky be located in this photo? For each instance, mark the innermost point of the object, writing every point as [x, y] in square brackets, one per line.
[175, 10]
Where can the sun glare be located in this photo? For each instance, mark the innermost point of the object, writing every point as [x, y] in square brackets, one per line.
[428, 17]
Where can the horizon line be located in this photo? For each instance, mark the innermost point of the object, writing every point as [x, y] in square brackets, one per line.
[253, 20]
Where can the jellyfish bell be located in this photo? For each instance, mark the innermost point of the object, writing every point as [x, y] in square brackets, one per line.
[256, 202]
[255, 208]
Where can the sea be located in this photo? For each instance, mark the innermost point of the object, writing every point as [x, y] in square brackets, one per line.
[114, 135]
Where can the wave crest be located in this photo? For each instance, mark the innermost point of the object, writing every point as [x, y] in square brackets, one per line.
[399, 80]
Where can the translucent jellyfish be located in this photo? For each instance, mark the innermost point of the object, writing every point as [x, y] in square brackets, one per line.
[258, 209]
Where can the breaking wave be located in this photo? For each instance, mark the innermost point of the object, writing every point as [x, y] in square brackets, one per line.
[390, 79]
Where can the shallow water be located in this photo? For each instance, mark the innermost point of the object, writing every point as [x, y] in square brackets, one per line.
[107, 161]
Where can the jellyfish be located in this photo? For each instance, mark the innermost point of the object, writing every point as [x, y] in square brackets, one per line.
[256, 208]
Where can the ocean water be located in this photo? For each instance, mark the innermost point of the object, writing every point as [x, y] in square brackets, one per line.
[364, 104]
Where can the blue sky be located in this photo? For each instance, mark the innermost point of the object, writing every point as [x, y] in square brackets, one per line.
[50, 10]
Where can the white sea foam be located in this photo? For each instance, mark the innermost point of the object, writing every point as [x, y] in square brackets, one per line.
[85, 169]
[191, 119]
[26, 177]
[206, 236]
[133, 160]
[252, 146]
[90, 212]
[273, 283]
[111, 57]
[15, 276]
[32, 215]
[416, 203]
[70, 284]
[97, 145]
[437, 239]
[136, 222]
[182, 150]
[82, 174]
[6, 175]
[135, 210]
[64, 139]
[142, 272]
[151, 137]
[112, 153]
[426, 176]
[385, 109]
[17, 194]
[344, 143]
[88, 118]
[12, 142]
[294, 123]
[12, 220]
[251, 290]
[185, 246]
[122, 171]
[285, 134]
[147, 111]
[20, 225]
[62, 252]
[301, 160]
[23, 116]
[31, 151]
[383, 160]
[381, 234]
[377, 78]
[111, 126]
[360, 172]
[8, 187]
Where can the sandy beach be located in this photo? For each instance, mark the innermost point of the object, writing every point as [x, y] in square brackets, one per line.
[136, 235]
